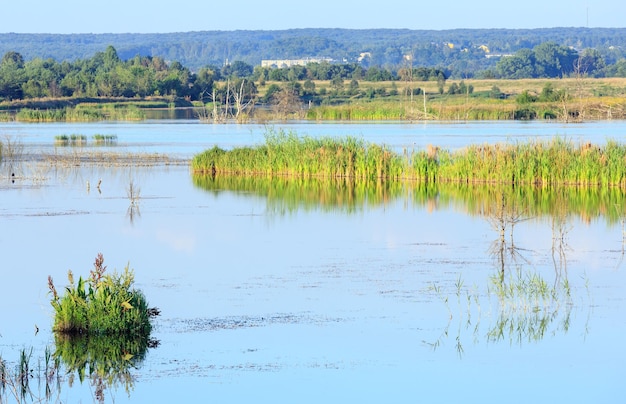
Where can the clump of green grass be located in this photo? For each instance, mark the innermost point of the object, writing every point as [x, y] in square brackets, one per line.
[108, 140]
[70, 140]
[103, 304]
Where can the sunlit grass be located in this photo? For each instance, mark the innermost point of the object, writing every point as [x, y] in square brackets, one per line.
[540, 163]
[103, 304]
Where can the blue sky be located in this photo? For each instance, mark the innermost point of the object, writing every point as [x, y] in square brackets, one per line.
[141, 16]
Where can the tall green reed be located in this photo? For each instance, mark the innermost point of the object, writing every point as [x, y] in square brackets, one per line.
[541, 163]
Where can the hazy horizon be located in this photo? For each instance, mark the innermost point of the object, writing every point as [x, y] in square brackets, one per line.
[160, 16]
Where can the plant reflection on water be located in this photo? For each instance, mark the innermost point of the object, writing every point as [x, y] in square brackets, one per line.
[105, 362]
[527, 306]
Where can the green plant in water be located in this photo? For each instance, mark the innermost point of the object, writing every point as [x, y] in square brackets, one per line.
[103, 304]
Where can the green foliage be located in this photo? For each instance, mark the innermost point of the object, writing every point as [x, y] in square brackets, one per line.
[547, 59]
[103, 304]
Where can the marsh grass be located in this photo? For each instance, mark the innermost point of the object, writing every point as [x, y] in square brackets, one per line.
[285, 154]
[70, 140]
[105, 140]
[81, 113]
[103, 304]
[370, 111]
[540, 163]
[18, 381]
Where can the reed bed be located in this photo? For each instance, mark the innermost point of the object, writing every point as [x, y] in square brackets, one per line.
[540, 163]
[81, 113]
[285, 154]
[376, 111]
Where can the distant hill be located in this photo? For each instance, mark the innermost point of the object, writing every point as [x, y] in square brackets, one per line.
[459, 49]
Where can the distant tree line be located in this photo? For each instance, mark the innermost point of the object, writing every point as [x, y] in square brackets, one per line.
[550, 60]
[460, 52]
[106, 74]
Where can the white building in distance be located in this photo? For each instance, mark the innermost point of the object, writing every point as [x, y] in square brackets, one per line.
[281, 63]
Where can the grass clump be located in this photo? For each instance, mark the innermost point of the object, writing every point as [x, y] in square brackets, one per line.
[70, 140]
[100, 139]
[103, 304]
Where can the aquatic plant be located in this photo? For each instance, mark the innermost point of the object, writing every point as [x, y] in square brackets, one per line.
[81, 113]
[17, 380]
[70, 140]
[100, 139]
[103, 304]
[286, 154]
[540, 163]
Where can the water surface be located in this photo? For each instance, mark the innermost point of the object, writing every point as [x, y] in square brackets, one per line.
[271, 293]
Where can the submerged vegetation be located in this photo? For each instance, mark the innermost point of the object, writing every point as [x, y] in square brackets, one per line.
[103, 304]
[541, 163]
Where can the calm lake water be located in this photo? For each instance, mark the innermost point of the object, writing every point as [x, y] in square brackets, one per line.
[275, 292]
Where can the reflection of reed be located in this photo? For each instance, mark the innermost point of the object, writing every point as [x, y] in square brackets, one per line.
[560, 229]
[106, 361]
[503, 216]
[134, 194]
[286, 194]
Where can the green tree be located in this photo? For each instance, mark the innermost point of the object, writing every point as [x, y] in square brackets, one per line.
[309, 87]
[519, 66]
[337, 83]
[12, 76]
[203, 83]
[553, 60]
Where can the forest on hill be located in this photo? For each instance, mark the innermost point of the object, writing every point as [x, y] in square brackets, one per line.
[464, 53]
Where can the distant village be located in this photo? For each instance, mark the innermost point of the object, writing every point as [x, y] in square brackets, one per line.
[286, 63]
